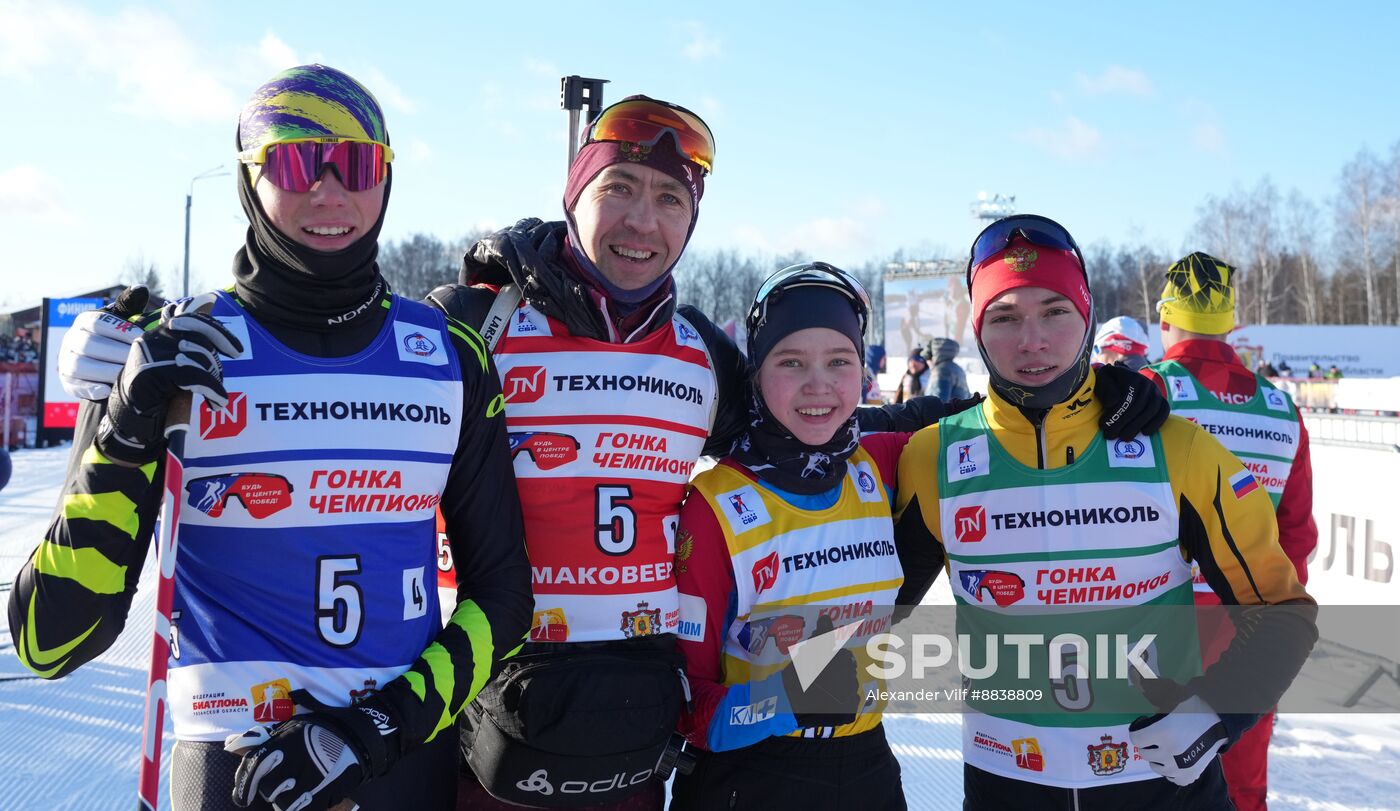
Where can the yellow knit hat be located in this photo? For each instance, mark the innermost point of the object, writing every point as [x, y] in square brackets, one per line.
[1200, 295]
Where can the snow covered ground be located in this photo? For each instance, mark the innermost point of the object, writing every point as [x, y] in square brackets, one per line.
[73, 744]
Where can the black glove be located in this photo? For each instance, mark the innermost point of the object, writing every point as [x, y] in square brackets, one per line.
[317, 758]
[179, 354]
[129, 302]
[1132, 405]
[958, 406]
[833, 698]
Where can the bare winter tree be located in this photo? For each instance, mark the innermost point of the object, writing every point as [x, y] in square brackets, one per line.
[1104, 281]
[1146, 268]
[1260, 256]
[1359, 212]
[1220, 224]
[416, 264]
[1392, 209]
[1301, 220]
[721, 284]
[138, 270]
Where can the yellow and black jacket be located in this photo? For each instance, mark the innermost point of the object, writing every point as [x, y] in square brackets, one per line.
[1203, 505]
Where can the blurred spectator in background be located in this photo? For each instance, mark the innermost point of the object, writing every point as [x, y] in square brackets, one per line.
[946, 379]
[874, 367]
[915, 377]
[1121, 340]
[18, 348]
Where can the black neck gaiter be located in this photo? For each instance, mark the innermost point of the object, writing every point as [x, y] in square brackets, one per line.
[1056, 391]
[282, 280]
[779, 458]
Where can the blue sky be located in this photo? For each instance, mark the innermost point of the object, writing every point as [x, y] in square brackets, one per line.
[846, 133]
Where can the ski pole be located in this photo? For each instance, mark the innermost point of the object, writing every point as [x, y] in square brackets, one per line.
[177, 425]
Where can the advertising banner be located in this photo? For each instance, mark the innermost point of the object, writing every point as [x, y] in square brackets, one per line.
[1357, 351]
[56, 408]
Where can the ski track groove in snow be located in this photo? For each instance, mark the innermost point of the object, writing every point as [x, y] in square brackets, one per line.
[74, 744]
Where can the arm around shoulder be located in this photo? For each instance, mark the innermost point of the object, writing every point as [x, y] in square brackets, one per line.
[732, 382]
[466, 304]
[917, 517]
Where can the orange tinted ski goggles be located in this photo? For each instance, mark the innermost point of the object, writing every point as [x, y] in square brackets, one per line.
[643, 121]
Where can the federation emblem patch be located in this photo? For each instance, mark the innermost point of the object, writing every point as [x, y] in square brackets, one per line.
[1181, 388]
[866, 487]
[1131, 452]
[1108, 757]
[1028, 754]
[549, 625]
[968, 458]
[419, 344]
[645, 621]
[744, 509]
[272, 702]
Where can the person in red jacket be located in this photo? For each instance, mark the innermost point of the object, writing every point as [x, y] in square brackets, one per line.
[1206, 381]
[755, 578]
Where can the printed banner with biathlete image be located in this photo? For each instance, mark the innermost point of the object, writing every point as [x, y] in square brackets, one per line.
[917, 310]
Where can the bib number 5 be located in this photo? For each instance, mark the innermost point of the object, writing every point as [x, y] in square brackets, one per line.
[617, 523]
[340, 612]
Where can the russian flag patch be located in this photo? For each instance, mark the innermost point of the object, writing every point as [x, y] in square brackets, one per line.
[1243, 483]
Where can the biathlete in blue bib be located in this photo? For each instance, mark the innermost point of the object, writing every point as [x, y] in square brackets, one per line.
[310, 660]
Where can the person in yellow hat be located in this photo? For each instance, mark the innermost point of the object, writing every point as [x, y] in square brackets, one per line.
[1199, 296]
[1207, 382]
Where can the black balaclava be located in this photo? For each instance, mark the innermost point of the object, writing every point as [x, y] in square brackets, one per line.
[289, 282]
[768, 448]
[276, 276]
